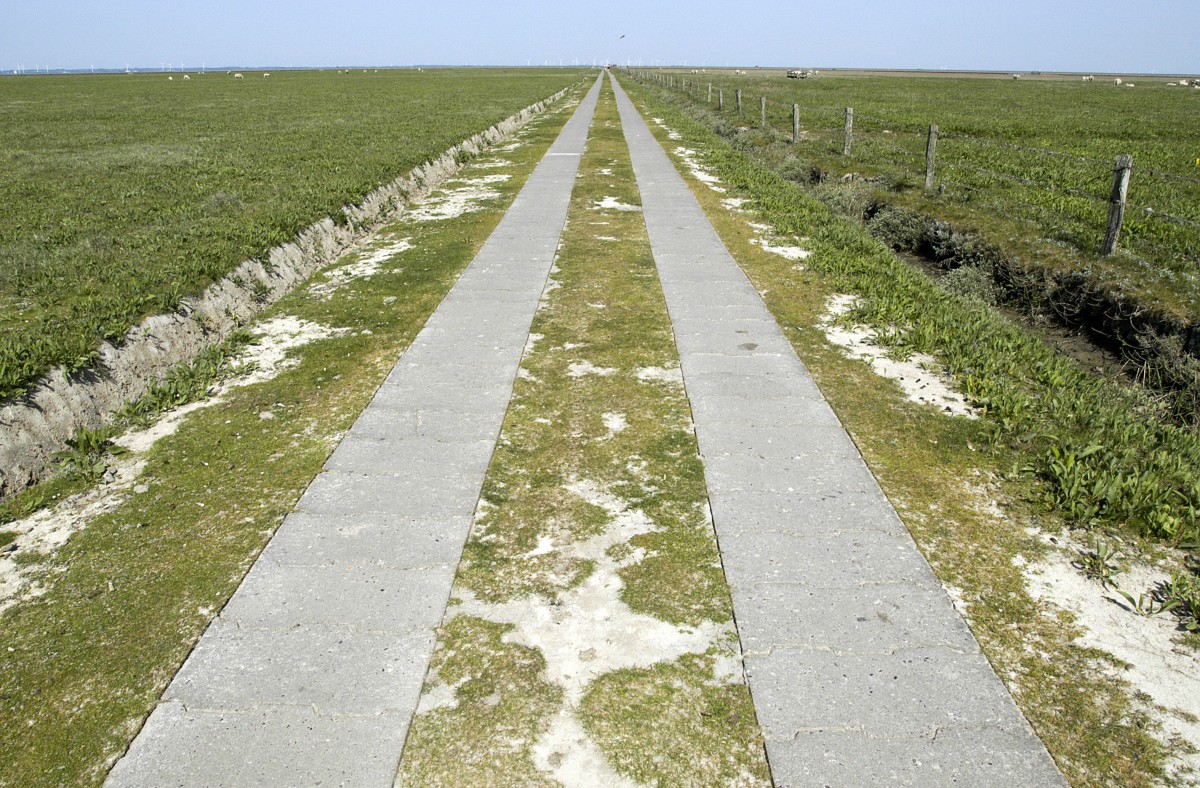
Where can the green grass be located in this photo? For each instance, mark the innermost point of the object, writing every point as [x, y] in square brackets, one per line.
[121, 194]
[1098, 121]
[944, 474]
[127, 597]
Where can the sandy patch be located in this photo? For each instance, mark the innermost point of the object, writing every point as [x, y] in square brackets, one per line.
[46, 531]
[671, 375]
[579, 369]
[735, 203]
[367, 265]
[450, 203]
[787, 252]
[592, 615]
[1168, 674]
[699, 173]
[917, 376]
[615, 423]
[614, 204]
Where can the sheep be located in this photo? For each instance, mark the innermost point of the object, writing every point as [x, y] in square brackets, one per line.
[1088, 78]
[170, 79]
[267, 74]
[1016, 76]
[1130, 85]
[1117, 81]
[185, 76]
[238, 76]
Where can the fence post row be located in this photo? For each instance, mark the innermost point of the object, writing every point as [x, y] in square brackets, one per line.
[930, 155]
[1116, 203]
[1122, 167]
[849, 130]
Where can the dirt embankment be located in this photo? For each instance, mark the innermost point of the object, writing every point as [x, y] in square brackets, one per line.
[35, 426]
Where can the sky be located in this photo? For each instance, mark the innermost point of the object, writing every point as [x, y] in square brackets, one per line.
[1102, 36]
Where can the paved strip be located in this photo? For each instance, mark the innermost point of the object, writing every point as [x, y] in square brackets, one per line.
[312, 672]
[861, 670]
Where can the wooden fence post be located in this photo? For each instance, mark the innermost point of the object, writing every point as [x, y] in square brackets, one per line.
[795, 123]
[739, 100]
[1116, 203]
[930, 155]
[763, 107]
[849, 130]
[709, 92]
[720, 100]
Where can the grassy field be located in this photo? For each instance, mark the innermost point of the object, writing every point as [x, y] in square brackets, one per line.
[991, 177]
[120, 194]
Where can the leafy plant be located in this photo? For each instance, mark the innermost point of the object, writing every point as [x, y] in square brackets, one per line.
[86, 456]
[1182, 593]
[1099, 563]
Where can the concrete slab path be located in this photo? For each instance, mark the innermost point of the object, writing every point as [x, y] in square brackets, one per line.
[312, 672]
[862, 671]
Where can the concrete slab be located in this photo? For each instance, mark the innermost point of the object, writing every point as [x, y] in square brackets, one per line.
[303, 666]
[954, 758]
[872, 619]
[384, 541]
[280, 745]
[877, 661]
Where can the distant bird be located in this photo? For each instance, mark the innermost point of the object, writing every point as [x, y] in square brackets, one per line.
[622, 36]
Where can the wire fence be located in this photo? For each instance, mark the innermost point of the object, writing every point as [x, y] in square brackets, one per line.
[1082, 200]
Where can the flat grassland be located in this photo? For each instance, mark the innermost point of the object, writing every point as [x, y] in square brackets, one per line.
[121, 194]
[1035, 153]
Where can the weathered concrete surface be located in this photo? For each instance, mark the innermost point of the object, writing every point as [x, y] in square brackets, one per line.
[311, 673]
[862, 671]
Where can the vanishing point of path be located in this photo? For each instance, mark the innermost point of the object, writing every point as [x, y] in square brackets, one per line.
[859, 667]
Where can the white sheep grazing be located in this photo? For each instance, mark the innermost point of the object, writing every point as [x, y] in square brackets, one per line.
[1016, 76]
[1130, 85]
[170, 79]
[1088, 79]
[267, 74]
[238, 76]
[1117, 81]
[185, 76]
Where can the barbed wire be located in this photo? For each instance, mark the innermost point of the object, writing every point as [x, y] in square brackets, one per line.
[1163, 215]
[881, 143]
[993, 199]
[1137, 240]
[1025, 181]
[914, 128]
[1025, 148]
[1167, 175]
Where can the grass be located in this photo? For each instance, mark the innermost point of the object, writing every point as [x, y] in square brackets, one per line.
[605, 466]
[944, 475]
[122, 194]
[1055, 227]
[126, 598]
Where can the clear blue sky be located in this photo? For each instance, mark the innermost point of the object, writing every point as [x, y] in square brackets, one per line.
[1100, 35]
